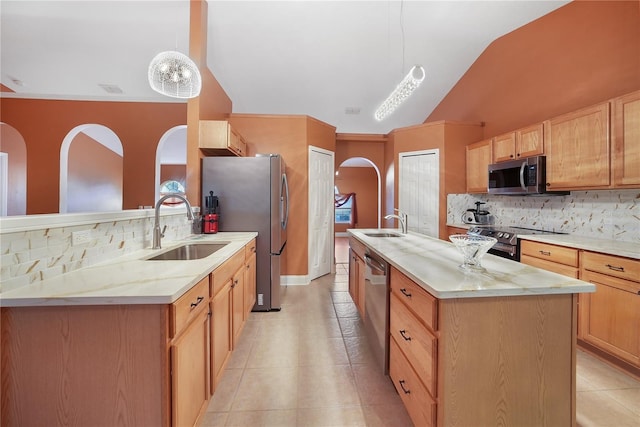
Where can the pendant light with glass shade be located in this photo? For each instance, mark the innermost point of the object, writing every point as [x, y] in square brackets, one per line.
[406, 87]
[174, 74]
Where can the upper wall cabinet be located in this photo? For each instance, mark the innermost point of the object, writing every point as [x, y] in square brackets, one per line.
[577, 149]
[218, 138]
[504, 147]
[525, 142]
[478, 160]
[625, 146]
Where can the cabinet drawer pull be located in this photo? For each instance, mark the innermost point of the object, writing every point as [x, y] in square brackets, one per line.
[405, 293]
[404, 389]
[545, 253]
[615, 268]
[198, 301]
[406, 337]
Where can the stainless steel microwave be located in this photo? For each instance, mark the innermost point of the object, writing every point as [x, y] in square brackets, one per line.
[520, 177]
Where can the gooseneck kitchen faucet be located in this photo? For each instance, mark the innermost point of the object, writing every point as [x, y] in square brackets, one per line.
[402, 217]
[157, 234]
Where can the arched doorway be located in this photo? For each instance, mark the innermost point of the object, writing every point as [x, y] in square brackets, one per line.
[86, 183]
[359, 176]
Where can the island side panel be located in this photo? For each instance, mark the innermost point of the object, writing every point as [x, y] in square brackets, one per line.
[85, 365]
[507, 361]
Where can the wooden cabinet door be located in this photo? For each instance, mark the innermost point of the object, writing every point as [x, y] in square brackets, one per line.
[530, 141]
[250, 284]
[610, 317]
[625, 148]
[220, 332]
[577, 149]
[478, 161]
[190, 372]
[237, 302]
[504, 147]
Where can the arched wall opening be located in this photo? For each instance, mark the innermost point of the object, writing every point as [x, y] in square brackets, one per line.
[91, 170]
[171, 160]
[361, 176]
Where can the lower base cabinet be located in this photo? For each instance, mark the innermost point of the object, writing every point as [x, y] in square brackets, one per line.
[496, 360]
[190, 372]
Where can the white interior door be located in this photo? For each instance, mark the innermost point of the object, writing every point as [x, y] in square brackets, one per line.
[321, 212]
[419, 190]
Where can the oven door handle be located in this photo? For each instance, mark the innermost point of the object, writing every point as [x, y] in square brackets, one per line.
[522, 167]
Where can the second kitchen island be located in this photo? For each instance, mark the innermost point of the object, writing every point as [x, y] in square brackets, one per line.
[482, 349]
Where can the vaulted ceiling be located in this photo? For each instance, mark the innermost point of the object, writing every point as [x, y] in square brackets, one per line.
[332, 60]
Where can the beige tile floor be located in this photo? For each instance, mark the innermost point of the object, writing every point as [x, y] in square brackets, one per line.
[310, 365]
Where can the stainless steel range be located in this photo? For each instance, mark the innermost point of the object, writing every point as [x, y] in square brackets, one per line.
[508, 245]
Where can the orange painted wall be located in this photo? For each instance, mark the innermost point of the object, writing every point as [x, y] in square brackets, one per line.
[289, 136]
[582, 53]
[364, 182]
[44, 124]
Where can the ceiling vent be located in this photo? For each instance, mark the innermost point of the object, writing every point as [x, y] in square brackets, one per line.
[111, 88]
[352, 110]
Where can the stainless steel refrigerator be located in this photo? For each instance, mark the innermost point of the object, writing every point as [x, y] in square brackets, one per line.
[253, 195]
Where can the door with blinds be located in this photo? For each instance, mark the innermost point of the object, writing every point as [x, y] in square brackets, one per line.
[419, 190]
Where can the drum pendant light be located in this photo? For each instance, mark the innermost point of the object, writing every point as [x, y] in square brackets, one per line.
[174, 74]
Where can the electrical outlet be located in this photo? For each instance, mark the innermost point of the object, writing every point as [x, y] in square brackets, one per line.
[80, 237]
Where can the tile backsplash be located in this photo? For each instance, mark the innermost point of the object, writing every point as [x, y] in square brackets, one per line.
[38, 253]
[604, 214]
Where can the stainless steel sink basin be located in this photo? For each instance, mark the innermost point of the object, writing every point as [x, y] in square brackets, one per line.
[383, 235]
[189, 251]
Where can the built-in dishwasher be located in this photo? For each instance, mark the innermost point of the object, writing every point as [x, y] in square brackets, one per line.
[376, 307]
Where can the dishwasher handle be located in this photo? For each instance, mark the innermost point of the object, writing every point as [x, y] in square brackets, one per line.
[375, 264]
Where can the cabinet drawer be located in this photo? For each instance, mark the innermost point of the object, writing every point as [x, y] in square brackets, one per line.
[553, 253]
[416, 342]
[250, 249]
[420, 302]
[565, 270]
[189, 305]
[624, 268]
[420, 406]
[225, 272]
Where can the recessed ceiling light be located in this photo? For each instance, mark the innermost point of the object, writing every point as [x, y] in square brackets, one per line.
[16, 81]
[110, 88]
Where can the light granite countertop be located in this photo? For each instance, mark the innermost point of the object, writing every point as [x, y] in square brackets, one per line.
[433, 264]
[605, 246]
[129, 279]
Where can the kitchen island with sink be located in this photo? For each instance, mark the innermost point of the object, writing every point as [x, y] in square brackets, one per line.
[140, 340]
[488, 348]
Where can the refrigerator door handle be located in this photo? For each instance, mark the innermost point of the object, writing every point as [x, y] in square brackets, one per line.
[284, 202]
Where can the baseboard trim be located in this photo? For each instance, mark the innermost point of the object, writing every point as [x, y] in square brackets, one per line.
[294, 280]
